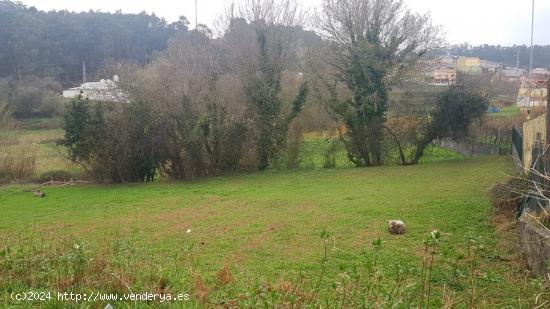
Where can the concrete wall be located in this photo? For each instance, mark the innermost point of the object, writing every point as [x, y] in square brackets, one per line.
[534, 243]
[531, 129]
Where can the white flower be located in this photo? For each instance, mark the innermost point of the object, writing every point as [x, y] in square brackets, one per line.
[188, 231]
[76, 246]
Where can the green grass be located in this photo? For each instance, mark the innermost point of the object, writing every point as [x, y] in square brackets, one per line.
[312, 154]
[505, 112]
[265, 229]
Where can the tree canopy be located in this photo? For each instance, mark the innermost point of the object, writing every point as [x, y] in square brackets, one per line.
[505, 54]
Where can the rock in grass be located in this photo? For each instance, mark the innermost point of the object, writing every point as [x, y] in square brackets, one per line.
[39, 194]
[397, 227]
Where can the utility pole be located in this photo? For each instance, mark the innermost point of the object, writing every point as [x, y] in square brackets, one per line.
[547, 113]
[532, 35]
[84, 79]
[197, 15]
[531, 86]
[517, 70]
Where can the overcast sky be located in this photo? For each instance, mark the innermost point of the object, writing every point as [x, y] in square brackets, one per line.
[504, 22]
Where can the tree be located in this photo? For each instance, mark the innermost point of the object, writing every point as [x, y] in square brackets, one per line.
[83, 127]
[5, 115]
[455, 110]
[410, 110]
[264, 32]
[117, 143]
[5, 120]
[372, 41]
[201, 135]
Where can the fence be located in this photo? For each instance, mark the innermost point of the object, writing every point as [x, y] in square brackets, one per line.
[532, 131]
[474, 149]
[536, 161]
[517, 144]
[538, 183]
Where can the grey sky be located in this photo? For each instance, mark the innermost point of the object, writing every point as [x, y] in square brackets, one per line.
[504, 22]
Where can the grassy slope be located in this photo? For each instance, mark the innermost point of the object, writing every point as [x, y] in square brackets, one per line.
[267, 225]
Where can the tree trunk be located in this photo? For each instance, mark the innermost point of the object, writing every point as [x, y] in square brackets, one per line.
[421, 147]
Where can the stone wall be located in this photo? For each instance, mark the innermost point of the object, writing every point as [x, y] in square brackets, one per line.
[534, 244]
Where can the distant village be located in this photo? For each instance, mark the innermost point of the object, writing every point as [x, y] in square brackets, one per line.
[531, 90]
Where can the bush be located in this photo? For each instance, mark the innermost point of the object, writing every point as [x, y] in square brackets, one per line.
[115, 144]
[137, 141]
[329, 159]
[506, 196]
[291, 153]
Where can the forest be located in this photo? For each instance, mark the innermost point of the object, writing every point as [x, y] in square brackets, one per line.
[56, 44]
[505, 54]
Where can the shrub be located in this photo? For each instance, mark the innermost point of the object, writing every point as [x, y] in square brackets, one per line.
[506, 196]
[137, 141]
[121, 144]
[329, 159]
[291, 153]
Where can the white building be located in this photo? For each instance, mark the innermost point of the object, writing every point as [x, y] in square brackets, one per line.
[105, 90]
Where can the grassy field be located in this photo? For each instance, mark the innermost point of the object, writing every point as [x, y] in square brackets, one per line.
[505, 112]
[41, 136]
[259, 240]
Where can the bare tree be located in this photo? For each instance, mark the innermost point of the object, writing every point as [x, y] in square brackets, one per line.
[285, 13]
[5, 115]
[5, 122]
[372, 43]
[537, 190]
[175, 121]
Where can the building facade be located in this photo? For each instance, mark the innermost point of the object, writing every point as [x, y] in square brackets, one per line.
[106, 90]
[532, 94]
[444, 77]
[469, 65]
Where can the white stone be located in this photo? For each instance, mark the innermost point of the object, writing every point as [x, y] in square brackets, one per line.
[397, 227]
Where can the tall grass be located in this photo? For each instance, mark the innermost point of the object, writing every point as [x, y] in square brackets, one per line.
[18, 162]
[345, 279]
